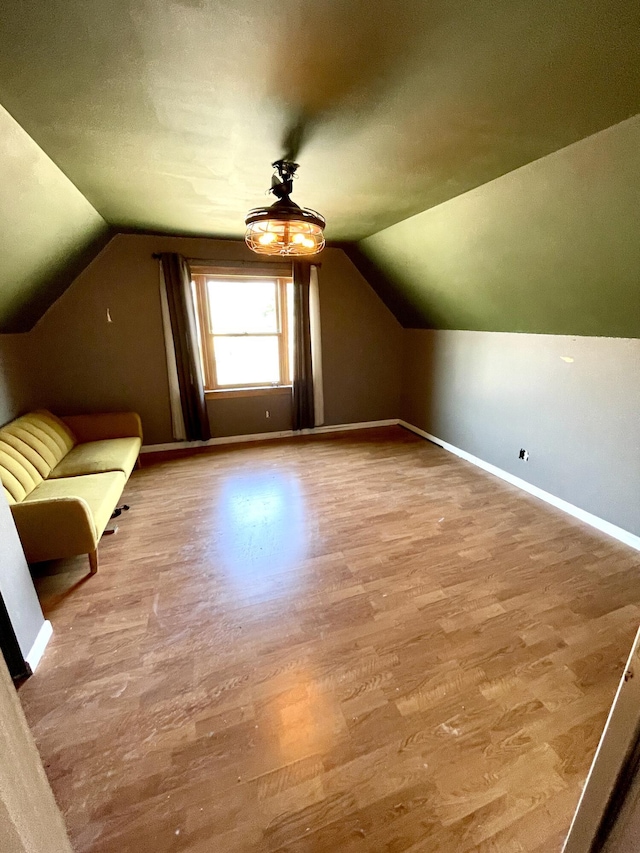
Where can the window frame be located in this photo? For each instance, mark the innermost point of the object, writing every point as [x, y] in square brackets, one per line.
[206, 336]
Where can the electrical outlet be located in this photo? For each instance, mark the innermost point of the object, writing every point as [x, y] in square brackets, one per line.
[524, 455]
[267, 414]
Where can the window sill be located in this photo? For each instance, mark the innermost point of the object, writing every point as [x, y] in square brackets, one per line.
[270, 391]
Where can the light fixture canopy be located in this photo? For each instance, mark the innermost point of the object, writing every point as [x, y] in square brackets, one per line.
[284, 228]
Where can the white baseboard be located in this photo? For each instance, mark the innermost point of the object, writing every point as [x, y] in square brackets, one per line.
[265, 436]
[39, 645]
[593, 520]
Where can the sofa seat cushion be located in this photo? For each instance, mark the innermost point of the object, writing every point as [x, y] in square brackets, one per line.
[100, 491]
[98, 457]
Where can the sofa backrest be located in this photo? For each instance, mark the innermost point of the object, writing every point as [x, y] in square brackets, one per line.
[30, 447]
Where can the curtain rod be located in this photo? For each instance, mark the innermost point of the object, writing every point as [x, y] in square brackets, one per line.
[221, 263]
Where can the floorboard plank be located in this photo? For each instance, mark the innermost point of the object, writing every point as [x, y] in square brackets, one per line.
[352, 642]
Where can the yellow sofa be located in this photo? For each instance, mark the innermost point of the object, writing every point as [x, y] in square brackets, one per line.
[63, 477]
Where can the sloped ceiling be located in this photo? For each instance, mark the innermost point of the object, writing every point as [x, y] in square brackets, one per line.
[49, 230]
[552, 248]
[165, 114]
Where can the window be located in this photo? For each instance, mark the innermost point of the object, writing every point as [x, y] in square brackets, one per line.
[244, 323]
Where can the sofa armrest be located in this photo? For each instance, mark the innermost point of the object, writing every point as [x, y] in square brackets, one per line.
[108, 425]
[55, 527]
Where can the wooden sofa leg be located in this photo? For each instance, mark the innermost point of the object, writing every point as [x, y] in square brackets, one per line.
[93, 561]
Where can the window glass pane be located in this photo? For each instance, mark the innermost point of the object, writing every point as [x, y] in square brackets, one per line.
[247, 361]
[238, 306]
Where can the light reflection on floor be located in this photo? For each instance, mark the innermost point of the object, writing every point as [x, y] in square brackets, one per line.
[262, 522]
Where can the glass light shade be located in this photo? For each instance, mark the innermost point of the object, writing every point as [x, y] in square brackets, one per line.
[285, 229]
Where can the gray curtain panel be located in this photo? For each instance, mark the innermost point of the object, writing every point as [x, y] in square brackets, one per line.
[303, 406]
[177, 277]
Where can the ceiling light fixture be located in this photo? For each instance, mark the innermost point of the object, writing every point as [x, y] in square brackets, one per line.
[284, 228]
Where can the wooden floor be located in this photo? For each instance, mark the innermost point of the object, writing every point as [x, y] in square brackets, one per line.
[354, 643]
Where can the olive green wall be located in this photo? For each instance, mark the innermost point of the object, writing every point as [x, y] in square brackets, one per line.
[248, 415]
[361, 346]
[17, 393]
[49, 230]
[85, 363]
[552, 247]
